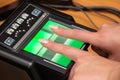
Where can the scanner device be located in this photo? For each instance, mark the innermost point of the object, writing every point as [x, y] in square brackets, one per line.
[20, 46]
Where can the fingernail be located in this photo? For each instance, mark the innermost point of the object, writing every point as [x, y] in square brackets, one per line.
[53, 27]
[44, 41]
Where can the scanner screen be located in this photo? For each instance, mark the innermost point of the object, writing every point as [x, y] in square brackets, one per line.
[34, 46]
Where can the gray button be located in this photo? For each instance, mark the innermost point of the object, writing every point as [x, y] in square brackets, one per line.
[15, 26]
[9, 41]
[10, 31]
[24, 15]
[36, 12]
[19, 20]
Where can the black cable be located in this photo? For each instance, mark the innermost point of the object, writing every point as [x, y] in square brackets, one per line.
[91, 21]
[74, 8]
[88, 8]
[105, 16]
[107, 9]
[93, 9]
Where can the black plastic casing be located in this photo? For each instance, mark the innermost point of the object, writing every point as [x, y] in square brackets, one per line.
[36, 68]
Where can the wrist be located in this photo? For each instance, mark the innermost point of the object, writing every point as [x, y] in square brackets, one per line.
[115, 73]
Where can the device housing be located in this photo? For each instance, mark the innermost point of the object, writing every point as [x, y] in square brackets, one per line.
[37, 67]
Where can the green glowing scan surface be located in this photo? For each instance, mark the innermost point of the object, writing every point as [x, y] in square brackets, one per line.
[34, 46]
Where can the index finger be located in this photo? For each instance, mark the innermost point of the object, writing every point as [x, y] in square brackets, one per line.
[82, 35]
[68, 51]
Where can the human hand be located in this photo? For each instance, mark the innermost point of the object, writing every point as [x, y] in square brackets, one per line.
[87, 65]
[107, 38]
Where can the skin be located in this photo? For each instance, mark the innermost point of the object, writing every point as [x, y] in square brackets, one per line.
[87, 65]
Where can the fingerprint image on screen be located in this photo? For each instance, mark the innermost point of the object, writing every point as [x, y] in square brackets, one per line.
[35, 47]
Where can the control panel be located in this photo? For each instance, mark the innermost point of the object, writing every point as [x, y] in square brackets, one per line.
[22, 26]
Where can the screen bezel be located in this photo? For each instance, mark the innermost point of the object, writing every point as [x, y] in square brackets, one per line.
[39, 60]
[46, 62]
[60, 17]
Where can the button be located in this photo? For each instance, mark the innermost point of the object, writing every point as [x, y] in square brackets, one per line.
[9, 41]
[19, 20]
[36, 12]
[10, 31]
[24, 15]
[15, 26]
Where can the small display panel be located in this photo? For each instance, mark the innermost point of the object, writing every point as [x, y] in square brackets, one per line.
[35, 47]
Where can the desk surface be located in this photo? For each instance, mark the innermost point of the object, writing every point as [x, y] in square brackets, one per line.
[80, 17]
[98, 20]
[6, 2]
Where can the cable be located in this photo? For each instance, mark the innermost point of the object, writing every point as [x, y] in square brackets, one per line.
[107, 9]
[105, 16]
[74, 8]
[93, 9]
[88, 8]
[91, 21]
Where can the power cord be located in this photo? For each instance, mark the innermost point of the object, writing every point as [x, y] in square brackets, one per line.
[91, 21]
[87, 8]
[97, 12]
[84, 9]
